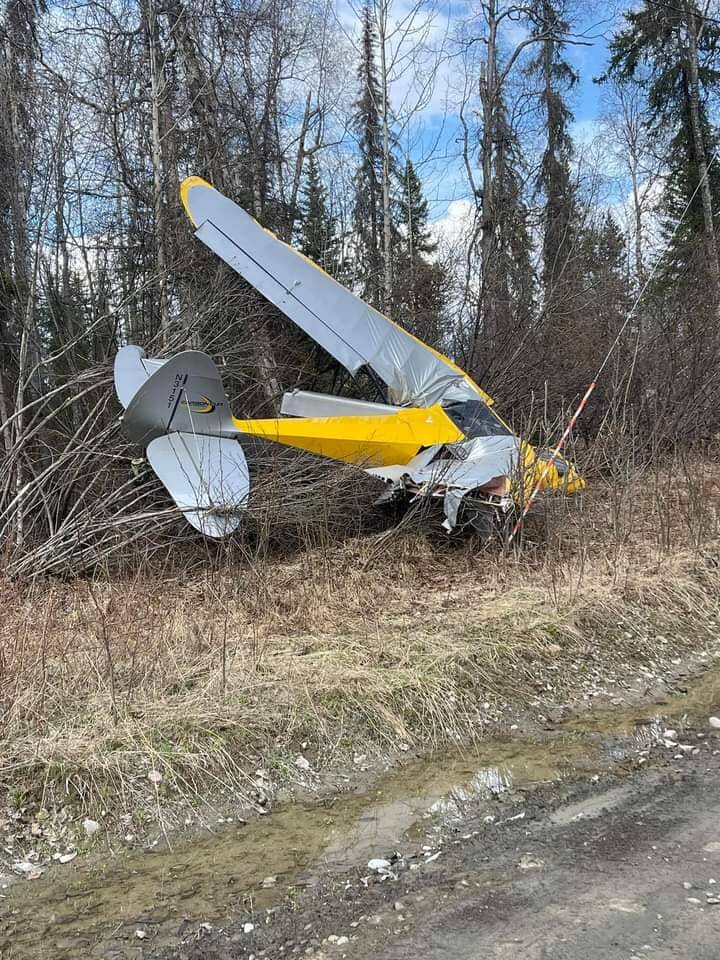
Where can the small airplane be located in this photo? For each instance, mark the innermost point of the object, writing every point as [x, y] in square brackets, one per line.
[437, 436]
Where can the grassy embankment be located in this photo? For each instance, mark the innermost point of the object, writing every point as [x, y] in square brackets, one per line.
[205, 676]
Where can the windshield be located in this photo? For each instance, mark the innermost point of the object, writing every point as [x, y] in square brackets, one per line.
[476, 419]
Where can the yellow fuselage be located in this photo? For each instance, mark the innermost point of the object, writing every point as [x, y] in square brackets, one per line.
[391, 439]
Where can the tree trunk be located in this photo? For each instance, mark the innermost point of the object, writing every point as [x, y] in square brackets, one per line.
[157, 95]
[488, 100]
[637, 209]
[699, 145]
[387, 220]
[297, 176]
[201, 92]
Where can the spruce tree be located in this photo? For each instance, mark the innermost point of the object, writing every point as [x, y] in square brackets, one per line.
[554, 179]
[413, 213]
[604, 302]
[368, 208]
[562, 283]
[420, 284]
[318, 241]
[678, 66]
[508, 281]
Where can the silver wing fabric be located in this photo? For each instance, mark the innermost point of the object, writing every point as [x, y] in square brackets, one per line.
[353, 332]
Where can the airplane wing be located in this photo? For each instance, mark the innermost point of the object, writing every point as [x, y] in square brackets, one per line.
[350, 330]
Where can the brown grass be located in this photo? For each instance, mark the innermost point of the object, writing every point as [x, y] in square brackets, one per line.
[204, 676]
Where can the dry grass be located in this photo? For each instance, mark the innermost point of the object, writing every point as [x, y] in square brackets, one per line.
[204, 676]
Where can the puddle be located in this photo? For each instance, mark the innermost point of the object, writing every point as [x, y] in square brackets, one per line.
[645, 722]
[93, 906]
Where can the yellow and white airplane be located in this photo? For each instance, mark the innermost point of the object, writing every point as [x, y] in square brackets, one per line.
[436, 436]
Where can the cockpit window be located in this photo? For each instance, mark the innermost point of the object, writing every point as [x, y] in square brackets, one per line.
[476, 419]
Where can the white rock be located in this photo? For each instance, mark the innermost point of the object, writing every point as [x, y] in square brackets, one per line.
[713, 900]
[692, 899]
[248, 927]
[269, 881]
[154, 776]
[527, 862]
[379, 865]
[67, 857]
[670, 734]
[341, 941]
[302, 763]
[714, 723]
[23, 866]
[90, 827]
[140, 934]
[687, 885]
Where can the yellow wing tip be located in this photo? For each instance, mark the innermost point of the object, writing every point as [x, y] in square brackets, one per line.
[185, 188]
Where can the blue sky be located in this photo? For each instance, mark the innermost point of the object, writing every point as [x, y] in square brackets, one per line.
[444, 176]
[590, 61]
[431, 137]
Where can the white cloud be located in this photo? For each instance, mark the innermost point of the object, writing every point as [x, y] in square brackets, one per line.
[456, 223]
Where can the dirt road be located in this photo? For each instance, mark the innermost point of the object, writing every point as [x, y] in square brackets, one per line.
[581, 835]
[614, 887]
[616, 873]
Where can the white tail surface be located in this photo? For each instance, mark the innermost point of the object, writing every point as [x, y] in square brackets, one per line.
[132, 371]
[207, 477]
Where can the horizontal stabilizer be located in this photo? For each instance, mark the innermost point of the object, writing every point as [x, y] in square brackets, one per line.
[207, 477]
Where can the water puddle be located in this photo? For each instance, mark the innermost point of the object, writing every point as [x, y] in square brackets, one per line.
[93, 906]
[645, 723]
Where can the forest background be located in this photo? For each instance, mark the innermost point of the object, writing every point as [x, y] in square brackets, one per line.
[424, 153]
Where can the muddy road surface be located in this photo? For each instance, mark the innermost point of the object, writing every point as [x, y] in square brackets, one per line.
[584, 836]
[625, 873]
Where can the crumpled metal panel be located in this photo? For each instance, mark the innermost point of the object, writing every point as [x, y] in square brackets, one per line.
[351, 331]
[473, 464]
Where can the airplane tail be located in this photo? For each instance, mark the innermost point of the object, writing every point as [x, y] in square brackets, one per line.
[178, 410]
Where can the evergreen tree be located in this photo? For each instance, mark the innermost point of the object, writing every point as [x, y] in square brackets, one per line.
[319, 241]
[554, 179]
[420, 285]
[564, 306]
[661, 49]
[413, 214]
[604, 306]
[604, 257]
[368, 206]
[508, 281]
